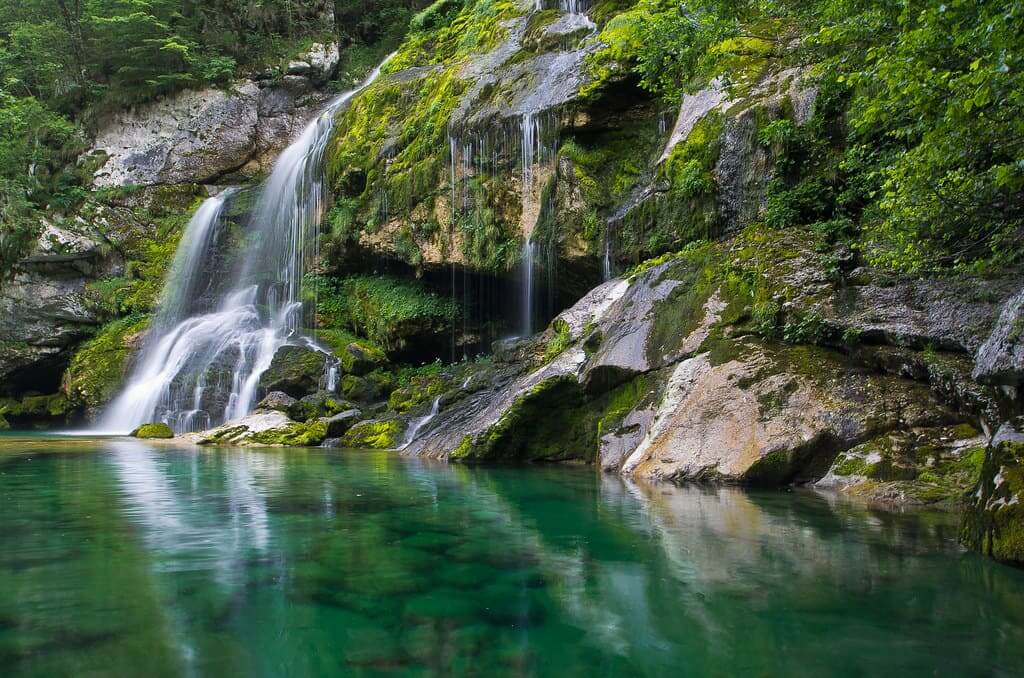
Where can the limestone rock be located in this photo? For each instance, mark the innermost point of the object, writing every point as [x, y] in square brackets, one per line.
[770, 415]
[1000, 359]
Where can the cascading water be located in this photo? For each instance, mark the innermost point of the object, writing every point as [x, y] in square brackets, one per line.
[201, 365]
[531, 149]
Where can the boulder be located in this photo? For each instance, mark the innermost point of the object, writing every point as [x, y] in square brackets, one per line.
[295, 370]
[375, 434]
[360, 360]
[277, 400]
[155, 431]
[1000, 360]
[339, 424]
[265, 428]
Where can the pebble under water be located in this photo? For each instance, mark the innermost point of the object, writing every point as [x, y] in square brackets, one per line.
[124, 558]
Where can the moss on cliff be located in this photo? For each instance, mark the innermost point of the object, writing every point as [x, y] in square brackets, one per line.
[375, 435]
[98, 368]
[994, 521]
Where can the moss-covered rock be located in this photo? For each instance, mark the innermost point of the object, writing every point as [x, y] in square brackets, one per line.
[100, 365]
[155, 431]
[295, 370]
[360, 359]
[4, 424]
[994, 520]
[267, 428]
[375, 435]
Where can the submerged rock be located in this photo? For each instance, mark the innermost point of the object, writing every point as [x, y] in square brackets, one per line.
[153, 431]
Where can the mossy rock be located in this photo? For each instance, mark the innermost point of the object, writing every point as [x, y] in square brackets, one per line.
[374, 435]
[52, 406]
[315, 405]
[297, 434]
[155, 431]
[994, 521]
[360, 360]
[4, 424]
[98, 368]
[295, 370]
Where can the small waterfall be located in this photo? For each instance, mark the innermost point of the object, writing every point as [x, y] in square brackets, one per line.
[419, 423]
[202, 366]
[606, 262]
[529, 252]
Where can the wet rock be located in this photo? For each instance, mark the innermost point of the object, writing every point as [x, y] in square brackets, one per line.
[912, 466]
[277, 400]
[265, 428]
[295, 370]
[994, 520]
[339, 424]
[159, 430]
[319, 404]
[375, 435]
[1000, 360]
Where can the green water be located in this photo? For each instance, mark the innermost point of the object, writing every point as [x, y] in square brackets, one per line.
[125, 559]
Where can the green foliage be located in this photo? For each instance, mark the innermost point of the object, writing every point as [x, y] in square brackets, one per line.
[560, 340]
[382, 309]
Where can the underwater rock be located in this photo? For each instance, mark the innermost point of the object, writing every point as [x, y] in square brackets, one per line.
[155, 431]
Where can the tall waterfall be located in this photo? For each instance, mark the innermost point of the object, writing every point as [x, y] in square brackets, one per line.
[202, 363]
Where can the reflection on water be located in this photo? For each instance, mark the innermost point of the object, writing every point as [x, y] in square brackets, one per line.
[120, 558]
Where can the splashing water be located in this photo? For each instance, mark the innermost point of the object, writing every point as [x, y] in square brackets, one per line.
[202, 366]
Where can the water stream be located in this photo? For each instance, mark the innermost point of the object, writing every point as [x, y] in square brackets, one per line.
[201, 365]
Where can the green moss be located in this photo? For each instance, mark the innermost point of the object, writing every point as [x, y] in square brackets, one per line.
[421, 389]
[297, 434]
[551, 422]
[98, 368]
[295, 370]
[375, 435]
[153, 431]
[852, 465]
[622, 400]
[55, 405]
[390, 312]
[4, 424]
[560, 340]
[994, 521]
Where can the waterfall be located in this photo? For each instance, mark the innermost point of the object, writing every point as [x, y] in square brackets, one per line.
[419, 423]
[200, 365]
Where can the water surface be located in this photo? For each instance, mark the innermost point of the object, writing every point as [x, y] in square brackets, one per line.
[123, 558]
